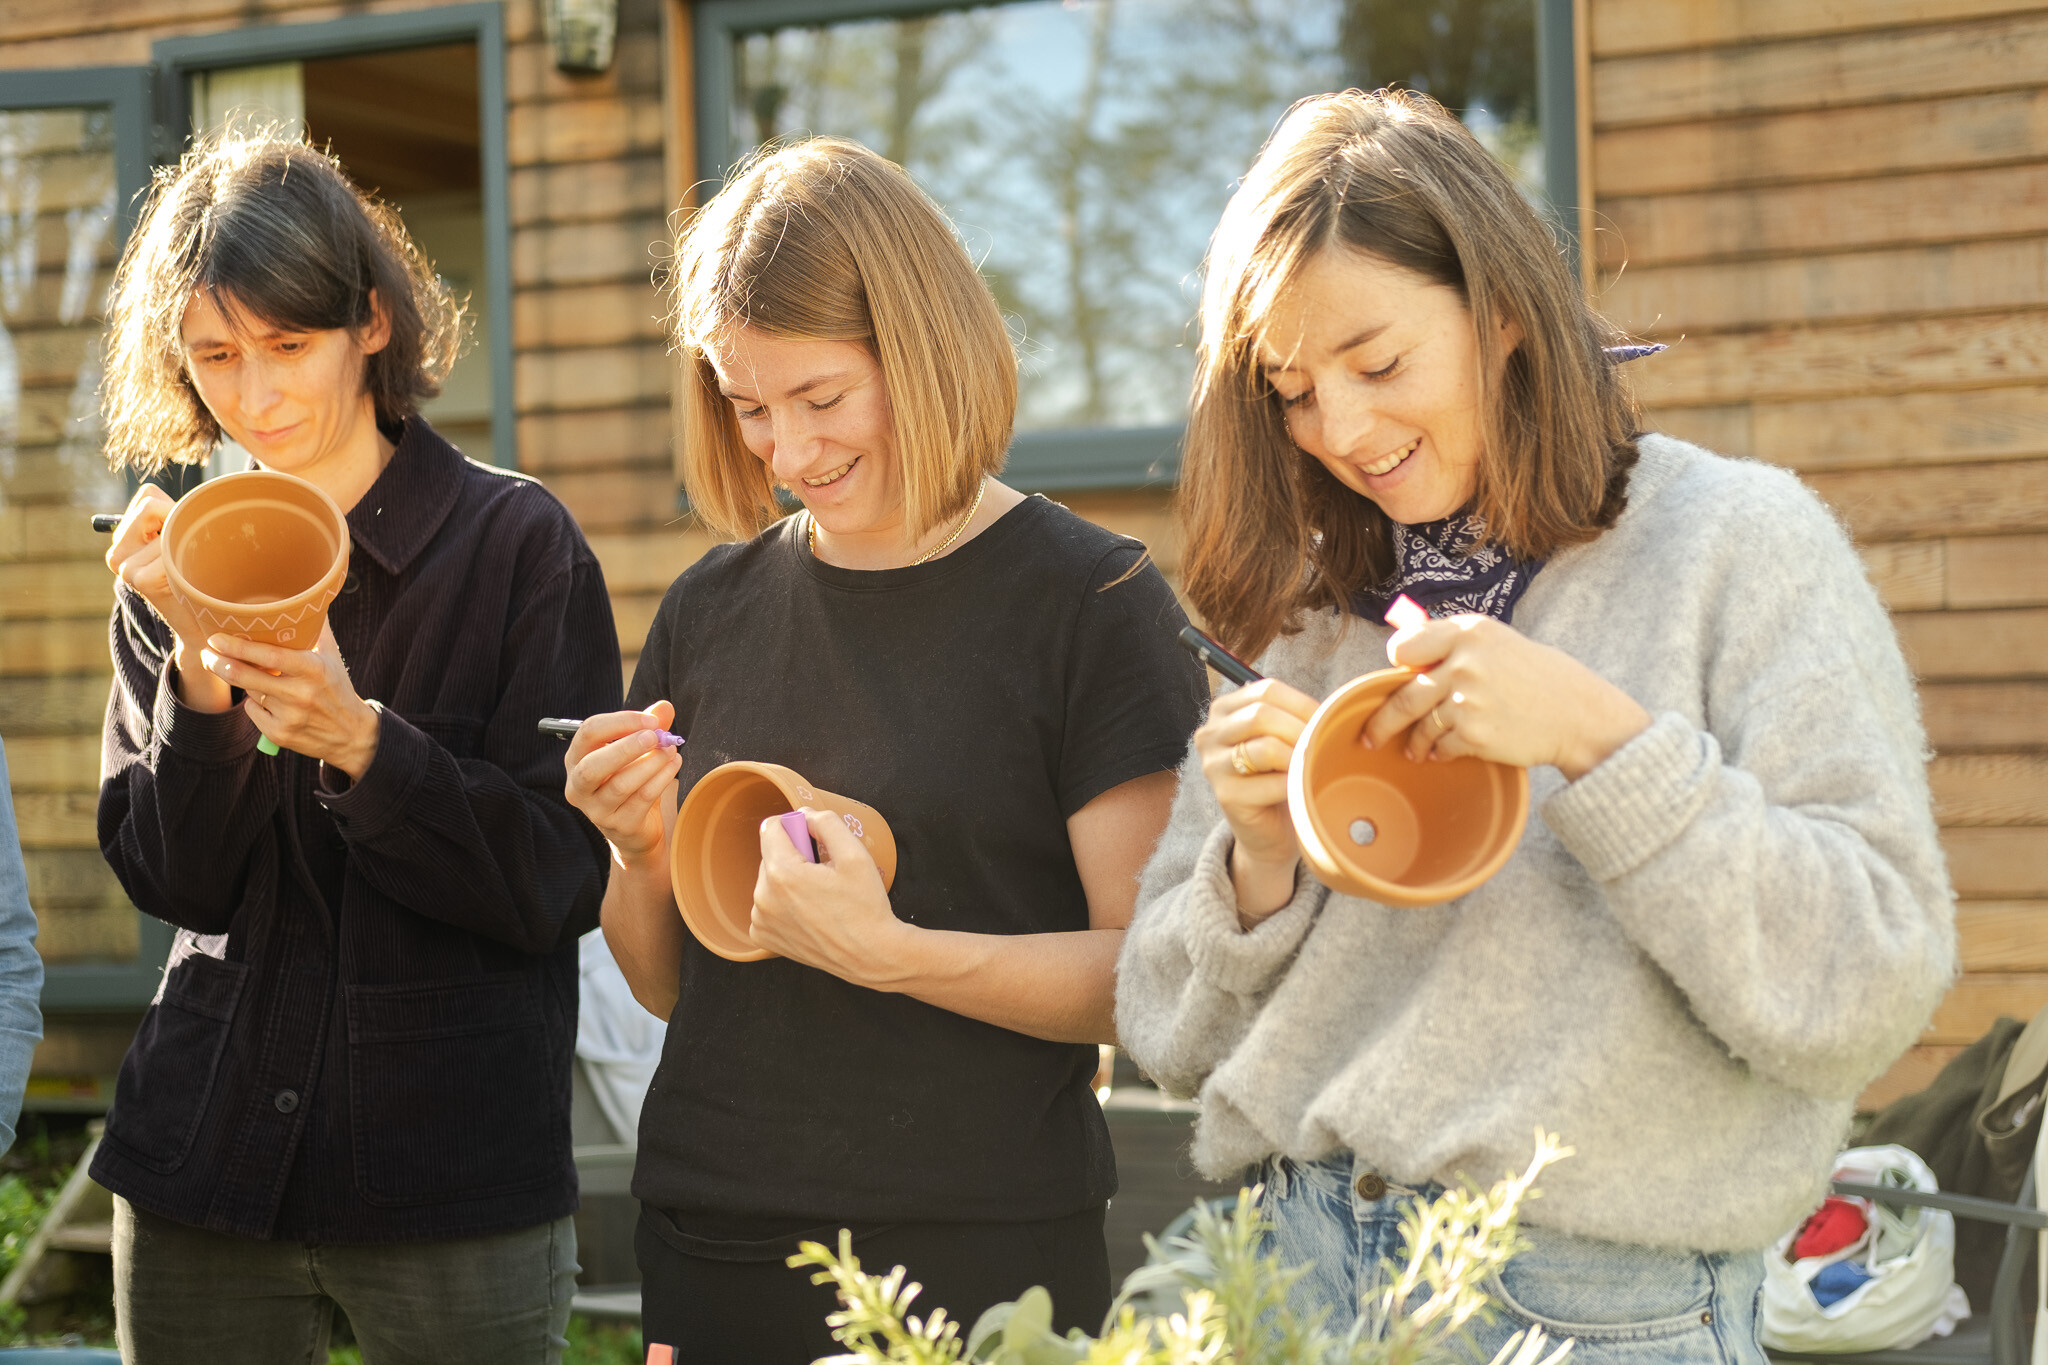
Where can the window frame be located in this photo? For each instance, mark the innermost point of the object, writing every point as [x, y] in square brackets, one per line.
[483, 23]
[126, 91]
[1122, 458]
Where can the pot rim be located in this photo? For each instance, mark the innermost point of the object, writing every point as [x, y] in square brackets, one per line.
[1316, 853]
[326, 585]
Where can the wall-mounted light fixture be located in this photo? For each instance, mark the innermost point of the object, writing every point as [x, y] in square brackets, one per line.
[581, 32]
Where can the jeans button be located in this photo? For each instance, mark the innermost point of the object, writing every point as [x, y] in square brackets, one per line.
[1371, 1185]
[286, 1101]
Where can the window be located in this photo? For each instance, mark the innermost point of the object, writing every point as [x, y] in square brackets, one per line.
[73, 153]
[1085, 149]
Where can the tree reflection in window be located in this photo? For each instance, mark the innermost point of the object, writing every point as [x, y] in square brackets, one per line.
[1085, 148]
[57, 206]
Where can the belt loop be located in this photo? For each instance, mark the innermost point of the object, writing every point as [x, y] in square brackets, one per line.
[1277, 1176]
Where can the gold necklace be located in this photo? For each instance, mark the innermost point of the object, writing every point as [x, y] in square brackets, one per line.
[811, 529]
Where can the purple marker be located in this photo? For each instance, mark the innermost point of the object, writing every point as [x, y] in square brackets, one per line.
[799, 831]
[566, 729]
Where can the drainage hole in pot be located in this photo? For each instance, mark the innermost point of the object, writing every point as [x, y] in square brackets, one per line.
[1363, 831]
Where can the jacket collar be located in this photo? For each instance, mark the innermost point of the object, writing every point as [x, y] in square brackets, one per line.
[411, 498]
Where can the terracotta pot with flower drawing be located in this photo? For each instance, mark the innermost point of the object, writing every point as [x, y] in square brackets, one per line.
[715, 851]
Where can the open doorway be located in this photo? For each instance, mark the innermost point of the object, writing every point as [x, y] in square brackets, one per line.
[405, 126]
[409, 124]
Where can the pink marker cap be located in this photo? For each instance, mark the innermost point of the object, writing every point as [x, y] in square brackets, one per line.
[799, 831]
[1406, 613]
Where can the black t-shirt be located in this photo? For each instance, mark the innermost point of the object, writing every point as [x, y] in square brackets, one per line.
[976, 701]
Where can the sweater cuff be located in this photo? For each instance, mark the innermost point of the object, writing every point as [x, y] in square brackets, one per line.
[203, 736]
[376, 801]
[1232, 958]
[1630, 807]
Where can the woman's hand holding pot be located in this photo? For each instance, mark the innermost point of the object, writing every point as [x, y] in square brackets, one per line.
[619, 776]
[1245, 746]
[1488, 691]
[301, 699]
[137, 559]
[833, 914]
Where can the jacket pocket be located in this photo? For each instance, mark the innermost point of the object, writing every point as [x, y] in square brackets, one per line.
[452, 1091]
[167, 1077]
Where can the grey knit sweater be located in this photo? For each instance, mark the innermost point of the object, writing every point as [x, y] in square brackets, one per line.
[1699, 953]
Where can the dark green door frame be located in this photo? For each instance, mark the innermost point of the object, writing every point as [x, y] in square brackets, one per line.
[125, 92]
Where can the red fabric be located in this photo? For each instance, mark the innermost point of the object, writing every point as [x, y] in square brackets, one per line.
[1837, 1223]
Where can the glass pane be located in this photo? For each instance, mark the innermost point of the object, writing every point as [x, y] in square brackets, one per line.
[58, 198]
[1085, 148]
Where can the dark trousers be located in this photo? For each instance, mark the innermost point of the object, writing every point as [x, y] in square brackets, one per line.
[762, 1312]
[186, 1296]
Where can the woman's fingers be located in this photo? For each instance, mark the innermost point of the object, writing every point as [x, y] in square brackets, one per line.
[609, 727]
[1260, 720]
[1269, 693]
[140, 525]
[612, 763]
[1423, 646]
[1409, 704]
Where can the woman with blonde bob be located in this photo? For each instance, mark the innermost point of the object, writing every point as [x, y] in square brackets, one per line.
[1728, 912]
[994, 675]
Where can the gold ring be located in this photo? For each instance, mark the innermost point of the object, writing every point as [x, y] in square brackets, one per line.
[1443, 727]
[1239, 761]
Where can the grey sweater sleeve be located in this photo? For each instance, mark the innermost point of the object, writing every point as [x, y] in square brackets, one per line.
[21, 970]
[1190, 979]
[1781, 864]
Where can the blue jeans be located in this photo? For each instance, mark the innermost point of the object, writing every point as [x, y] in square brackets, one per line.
[1623, 1304]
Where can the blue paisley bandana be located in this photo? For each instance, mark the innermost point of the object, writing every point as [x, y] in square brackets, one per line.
[1449, 568]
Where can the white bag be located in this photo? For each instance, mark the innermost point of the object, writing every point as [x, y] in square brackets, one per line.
[1911, 1294]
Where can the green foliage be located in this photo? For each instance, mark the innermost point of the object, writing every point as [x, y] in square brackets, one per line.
[1234, 1298]
[22, 1210]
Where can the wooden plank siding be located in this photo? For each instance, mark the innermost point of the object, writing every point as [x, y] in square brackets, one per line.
[597, 165]
[1838, 212]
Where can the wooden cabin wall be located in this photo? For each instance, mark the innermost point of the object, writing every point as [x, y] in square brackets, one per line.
[1838, 213]
[597, 162]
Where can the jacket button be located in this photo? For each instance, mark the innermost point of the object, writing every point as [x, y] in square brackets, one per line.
[1372, 1185]
[286, 1101]
[349, 583]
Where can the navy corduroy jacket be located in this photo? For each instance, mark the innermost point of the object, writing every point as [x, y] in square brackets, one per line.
[367, 1024]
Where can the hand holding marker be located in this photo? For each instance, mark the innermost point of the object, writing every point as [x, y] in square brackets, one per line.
[1404, 614]
[566, 729]
[793, 823]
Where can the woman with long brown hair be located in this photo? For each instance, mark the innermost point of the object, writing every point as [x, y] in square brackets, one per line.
[1728, 912]
[994, 675]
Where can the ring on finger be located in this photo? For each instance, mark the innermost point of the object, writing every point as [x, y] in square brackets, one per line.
[1443, 727]
[1242, 764]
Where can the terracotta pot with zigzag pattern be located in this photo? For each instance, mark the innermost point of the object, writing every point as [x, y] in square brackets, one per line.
[259, 554]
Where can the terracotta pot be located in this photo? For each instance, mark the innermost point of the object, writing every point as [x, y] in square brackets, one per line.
[1373, 823]
[715, 851]
[258, 554]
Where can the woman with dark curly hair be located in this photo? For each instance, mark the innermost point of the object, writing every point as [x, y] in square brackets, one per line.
[353, 1086]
